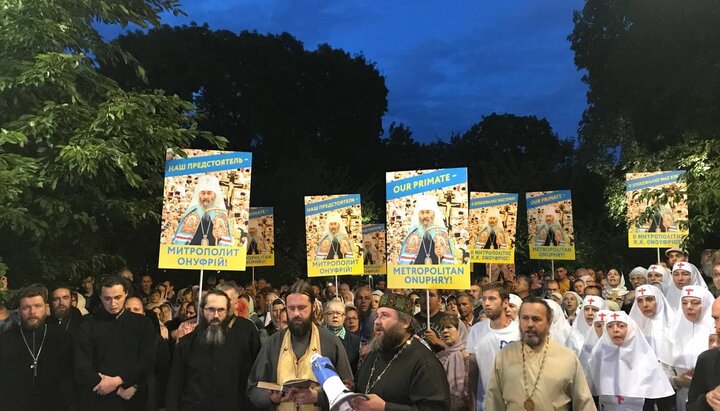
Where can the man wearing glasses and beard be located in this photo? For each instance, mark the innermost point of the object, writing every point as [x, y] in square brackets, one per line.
[211, 364]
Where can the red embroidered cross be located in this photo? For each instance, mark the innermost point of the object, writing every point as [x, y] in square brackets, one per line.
[620, 399]
[590, 301]
[602, 316]
[642, 291]
[689, 290]
[615, 316]
[680, 265]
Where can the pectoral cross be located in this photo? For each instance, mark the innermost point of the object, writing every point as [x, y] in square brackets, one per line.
[34, 367]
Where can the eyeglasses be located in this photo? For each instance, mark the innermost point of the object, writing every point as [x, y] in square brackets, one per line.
[331, 313]
[215, 310]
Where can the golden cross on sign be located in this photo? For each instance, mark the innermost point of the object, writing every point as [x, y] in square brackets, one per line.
[448, 204]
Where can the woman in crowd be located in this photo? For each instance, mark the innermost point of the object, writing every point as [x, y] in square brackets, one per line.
[570, 304]
[689, 337]
[461, 372]
[624, 368]
[683, 273]
[653, 317]
[615, 288]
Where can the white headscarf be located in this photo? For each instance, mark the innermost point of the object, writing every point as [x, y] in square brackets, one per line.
[619, 289]
[666, 279]
[630, 370]
[208, 183]
[591, 340]
[579, 327]
[560, 328]
[655, 329]
[577, 298]
[691, 339]
[425, 202]
[673, 294]
[515, 300]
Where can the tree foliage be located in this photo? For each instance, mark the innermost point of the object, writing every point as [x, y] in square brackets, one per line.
[81, 159]
[653, 73]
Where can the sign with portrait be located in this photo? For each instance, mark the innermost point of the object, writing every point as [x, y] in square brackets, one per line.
[427, 223]
[261, 237]
[373, 246]
[550, 225]
[493, 218]
[206, 202]
[654, 223]
[333, 230]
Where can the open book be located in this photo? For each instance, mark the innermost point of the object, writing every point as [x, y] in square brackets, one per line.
[288, 384]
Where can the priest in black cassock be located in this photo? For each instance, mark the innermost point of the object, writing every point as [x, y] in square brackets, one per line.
[113, 353]
[35, 366]
[212, 363]
[62, 311]
[400, 372]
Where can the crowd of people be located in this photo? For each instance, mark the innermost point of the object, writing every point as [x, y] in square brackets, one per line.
[583, 340]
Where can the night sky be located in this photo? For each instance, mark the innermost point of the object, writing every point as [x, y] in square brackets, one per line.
[446, 64]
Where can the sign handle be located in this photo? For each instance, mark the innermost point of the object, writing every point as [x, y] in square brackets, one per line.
[427, 306]
[253, 276]
[197, 318]
[658, 254]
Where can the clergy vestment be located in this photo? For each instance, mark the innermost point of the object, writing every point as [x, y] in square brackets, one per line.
[266, 365]
[562, 383]
[122, 345]
[415, 380]
[209, 377]
[52, 388]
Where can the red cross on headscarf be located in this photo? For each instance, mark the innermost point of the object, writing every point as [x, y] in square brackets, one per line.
[615, 316]
[642, 291]
[620, 399]
[602, 316]
[681, 265]
[590, 301]
[689, 290]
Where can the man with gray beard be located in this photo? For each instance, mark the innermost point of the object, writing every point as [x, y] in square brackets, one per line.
[211, 364]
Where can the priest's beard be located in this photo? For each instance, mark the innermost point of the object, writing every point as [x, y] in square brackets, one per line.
[300, 329]
[214, 334]
[34, 326]
[389, 340]
[534, 339]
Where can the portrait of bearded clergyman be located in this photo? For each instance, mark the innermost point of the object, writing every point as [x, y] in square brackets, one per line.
[206, 220]
[549, 233]
[256, 242]
[335, 242]
[372, 255]
[491, 235]
[427, 240]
